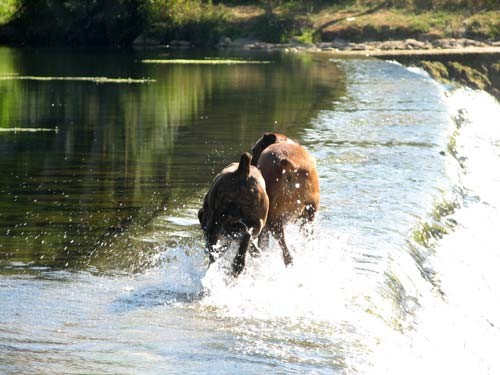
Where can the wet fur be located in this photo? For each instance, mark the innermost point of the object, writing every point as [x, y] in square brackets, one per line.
[236, 205]
[292, 184]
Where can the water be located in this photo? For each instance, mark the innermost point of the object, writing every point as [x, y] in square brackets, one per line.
[102, 267]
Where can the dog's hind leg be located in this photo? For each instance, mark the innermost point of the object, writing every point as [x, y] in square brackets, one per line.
[254, 248]
[279, 233]
[306, 220]
[239, 259]
[264, 238]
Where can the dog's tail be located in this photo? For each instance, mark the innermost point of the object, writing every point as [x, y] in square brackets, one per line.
[244, 166]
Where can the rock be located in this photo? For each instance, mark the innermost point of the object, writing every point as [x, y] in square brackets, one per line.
[474, 43]
[430, 36]
[145, 40]
[458, 43]
[387, 45]
[296, 42]
[259, 45]
[415, 44]
[225, 42]
[444, 43]
[324, 45]
[339, 43]
[181, 44]
[241, 42]
[358, 47]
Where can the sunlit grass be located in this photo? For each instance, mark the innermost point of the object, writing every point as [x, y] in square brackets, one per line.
[357, 22]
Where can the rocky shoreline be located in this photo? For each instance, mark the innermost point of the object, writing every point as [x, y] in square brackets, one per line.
[390, 48]
[368, 48]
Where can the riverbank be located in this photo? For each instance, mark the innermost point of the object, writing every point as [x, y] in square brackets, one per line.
[202, 23]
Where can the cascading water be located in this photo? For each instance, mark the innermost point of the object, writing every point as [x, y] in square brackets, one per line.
[457, 330]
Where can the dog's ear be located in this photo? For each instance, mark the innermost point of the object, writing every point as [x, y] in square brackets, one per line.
[266, 140]
[269, 139]
[244, 166]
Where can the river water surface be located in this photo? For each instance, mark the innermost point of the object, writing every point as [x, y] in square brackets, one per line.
[105, 157]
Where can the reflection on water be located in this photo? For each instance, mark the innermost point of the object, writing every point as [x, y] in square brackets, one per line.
[126, 150]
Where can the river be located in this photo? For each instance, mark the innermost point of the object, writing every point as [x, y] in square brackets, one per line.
[106, 156]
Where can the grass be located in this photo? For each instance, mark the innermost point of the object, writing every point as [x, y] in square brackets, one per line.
[358, 23]
[484, 24]
[363, 20]
[194, 20]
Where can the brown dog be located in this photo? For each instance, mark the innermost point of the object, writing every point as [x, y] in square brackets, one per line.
[292, 184]
[235, 206]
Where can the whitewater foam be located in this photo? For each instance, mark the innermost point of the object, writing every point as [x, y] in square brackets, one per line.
[459, 332]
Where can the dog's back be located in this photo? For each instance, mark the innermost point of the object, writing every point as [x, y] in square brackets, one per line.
[292, 182]
[237, 195]
[236, 206]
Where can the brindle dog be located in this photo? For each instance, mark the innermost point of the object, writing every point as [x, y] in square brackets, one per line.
[236, 206]
[292, 185]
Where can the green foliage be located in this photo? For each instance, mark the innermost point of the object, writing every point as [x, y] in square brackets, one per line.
[7, 10]
[483, 25]
[434, 4]
[307, 36]
[76, 21]
[195, 20]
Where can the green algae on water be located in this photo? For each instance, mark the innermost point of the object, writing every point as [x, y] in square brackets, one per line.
[204, 61]
[28, 130]
[84, 79]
